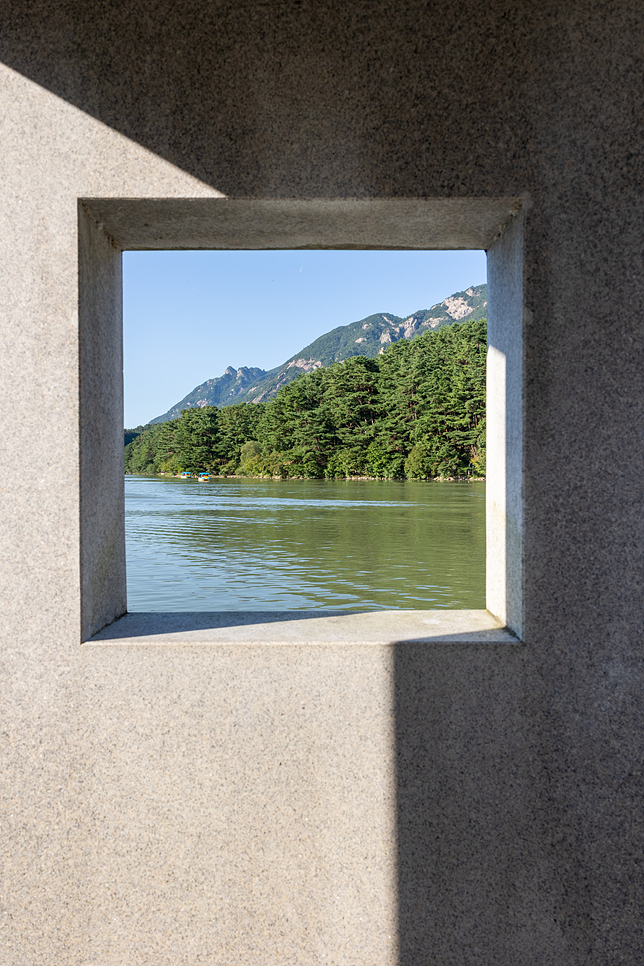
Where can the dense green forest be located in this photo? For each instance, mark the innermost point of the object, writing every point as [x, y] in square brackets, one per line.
[417, 411]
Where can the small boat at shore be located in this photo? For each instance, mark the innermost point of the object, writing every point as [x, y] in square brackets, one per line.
[185, 476]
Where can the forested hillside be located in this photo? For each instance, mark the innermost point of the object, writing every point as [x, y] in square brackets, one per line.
[416, 411]
[367, 337]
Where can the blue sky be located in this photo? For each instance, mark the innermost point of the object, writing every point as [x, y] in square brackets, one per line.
[189, 315]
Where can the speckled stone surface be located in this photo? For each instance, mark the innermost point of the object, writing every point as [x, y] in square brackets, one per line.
[307, 627]
[468, 804]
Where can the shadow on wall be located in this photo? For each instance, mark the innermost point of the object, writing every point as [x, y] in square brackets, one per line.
[282, 97]
[464, 850]
[463, 832]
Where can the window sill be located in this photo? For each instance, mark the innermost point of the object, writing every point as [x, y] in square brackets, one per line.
[306, 627]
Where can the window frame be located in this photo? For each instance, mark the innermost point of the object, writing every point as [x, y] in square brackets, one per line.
[108, 226]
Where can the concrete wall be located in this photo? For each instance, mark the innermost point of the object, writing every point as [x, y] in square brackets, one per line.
[448, 801]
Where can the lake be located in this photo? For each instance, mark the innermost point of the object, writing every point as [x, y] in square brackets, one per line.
[303, 544]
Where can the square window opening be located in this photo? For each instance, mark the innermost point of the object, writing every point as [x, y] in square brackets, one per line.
[106, 228]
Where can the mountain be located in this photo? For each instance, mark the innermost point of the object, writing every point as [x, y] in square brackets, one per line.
[225, 390]
[367, 337]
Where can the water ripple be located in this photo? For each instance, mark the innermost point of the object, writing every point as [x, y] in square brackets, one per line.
[303, 544]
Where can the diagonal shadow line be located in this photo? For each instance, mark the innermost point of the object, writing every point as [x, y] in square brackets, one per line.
[198, 84]
[177, 622]
[371, 627]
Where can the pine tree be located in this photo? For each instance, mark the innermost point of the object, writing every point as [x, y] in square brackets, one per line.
[417, 410]
[197, 438]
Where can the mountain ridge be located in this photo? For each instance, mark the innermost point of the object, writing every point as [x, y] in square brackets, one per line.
[367, 337]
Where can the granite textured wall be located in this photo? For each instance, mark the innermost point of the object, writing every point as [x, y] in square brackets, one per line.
[454, 803]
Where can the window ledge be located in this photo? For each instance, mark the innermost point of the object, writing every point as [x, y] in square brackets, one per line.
[306, 627]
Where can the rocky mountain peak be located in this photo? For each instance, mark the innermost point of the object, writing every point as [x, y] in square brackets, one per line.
[367, 337]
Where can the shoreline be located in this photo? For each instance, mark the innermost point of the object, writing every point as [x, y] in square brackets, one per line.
[324, 479]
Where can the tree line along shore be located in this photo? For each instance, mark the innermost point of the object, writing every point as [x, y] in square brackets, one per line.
[417, 411]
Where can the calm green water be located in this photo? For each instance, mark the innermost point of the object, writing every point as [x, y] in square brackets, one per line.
[303, 544]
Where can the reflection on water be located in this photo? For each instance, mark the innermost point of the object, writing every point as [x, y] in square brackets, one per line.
[303, 544]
